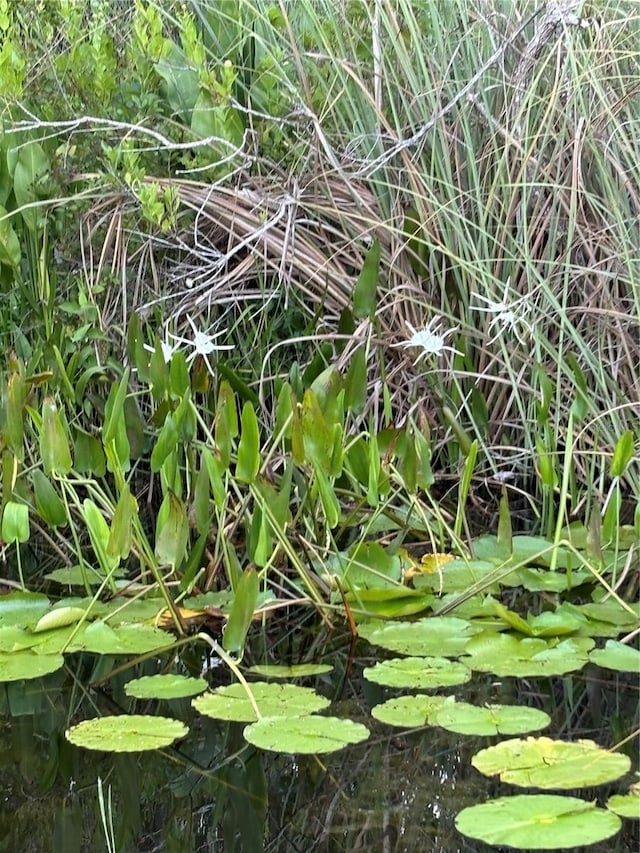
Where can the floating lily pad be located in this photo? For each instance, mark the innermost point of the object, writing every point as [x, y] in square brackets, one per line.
[505, 654]
[537, 822]
[542, 580]
[15, 666]
[391, 603]
[273, 700]
[308, 735]
[102, 639]
[301, 670]
[22, 608]
[418, 673]
[126, 733]
[436, 636]
[617, 656]
[547, 624]
[626, 805]
[164, 687]
[76, 576]
[458, 575]
[488, 720]
[408, 712]
[546, 763]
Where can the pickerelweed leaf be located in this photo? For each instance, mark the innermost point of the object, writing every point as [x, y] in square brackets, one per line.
[305, 735]
[537, 822]
[167, 686]
[273, 700]
[126, 733]
[418, 673]
[546, 763]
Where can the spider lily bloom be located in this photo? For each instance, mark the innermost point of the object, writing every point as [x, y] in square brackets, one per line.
[505, 316]
[201, 344]
[431, 339]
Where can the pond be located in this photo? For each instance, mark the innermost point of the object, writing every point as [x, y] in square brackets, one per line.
[400, 790]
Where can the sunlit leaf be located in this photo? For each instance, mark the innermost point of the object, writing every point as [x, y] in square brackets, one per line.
[272, 699]
[167, 686]
[305, 735]
[618, 656]
[417, 673]
[126, 733]
[17, 665]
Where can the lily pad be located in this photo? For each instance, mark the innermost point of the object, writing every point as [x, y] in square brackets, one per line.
[77, 576]
[626, 805]
[458, 576]
[301, 670]
[537, 822]
[22, 608]
[126, 733]
[408, 712]
[435, 636]
[617, 656]
[273, 700]
[470, 719]
[546, 763]
[164, 687]
[505, 654]
[418, 673]
[15, 666]
[308, 735]
[102, 639]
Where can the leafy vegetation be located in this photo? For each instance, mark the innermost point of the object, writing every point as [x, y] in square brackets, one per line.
[330, 306]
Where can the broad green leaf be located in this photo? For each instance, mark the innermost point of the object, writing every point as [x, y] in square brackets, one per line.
[102, 639]
[99, 535]
[305, 735]
[623, 453]
[488, 720]
[546, 763]
[15, 522]
[166, 443]
[22, 608]
[167, 686]
[626, 805]
[355, 384]
[245, 600]
[13, 426]
[436, 636]
[408, 712]
[248, 463]
[299, 670]
[49, 504]
[126, 733]
[618, 656]
[418, 673]
[54, 441]
[273, 700]
[317, 435]
[10, 249]
[119, 542]
[328, 497]
[504, 655]
[537, 822]
[30, 178]
[17, 665]
[172, 531]
[364, 292]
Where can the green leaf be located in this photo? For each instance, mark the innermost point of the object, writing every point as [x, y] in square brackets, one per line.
[408, 712]
[166, 443]
[623, 453]
[59, 617]
[99, 535]
[437, 636]
[297, 670]
[417, 673]
[10, 251]
[16, 665]
[119, 543]
[364, 292]
[15, 522]
[505, 655]
[49, 504]
[22, 608]
[546, 763]
[245, 600]
[537, 822]
[626, 805]
[328, 498]
[13, 426]
[172, 531]
[126, 733]
[618, 656]
[54, 444]
[305, 735]
[488, 720]
[30, 178]
[164, 686]
[248, 463]
[281, 700]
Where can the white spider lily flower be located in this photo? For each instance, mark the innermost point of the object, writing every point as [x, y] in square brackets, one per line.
[506, 315]
[201, 343]
[167, 348]
[431, 339]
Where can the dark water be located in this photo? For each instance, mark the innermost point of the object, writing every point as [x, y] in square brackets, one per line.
[399, 791]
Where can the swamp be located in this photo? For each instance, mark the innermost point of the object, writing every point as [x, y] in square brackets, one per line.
[319, 426]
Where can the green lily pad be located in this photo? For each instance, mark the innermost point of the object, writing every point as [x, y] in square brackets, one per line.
[505, 654]
[367, 565]
[537, 822]
[22, 608]
[547, 624]
[308, 735]
[76, 576]
[436, 636]
[488, 720]
[408, 712]
[273, 700]
[391, 603]
[546, 763]
[164, 687]
[626, 805]
[418, 673]
[126, 733]
[15, 666]
[542, 580]
[458, 576]
[617, 656]
[102, 639]
[301, 670]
